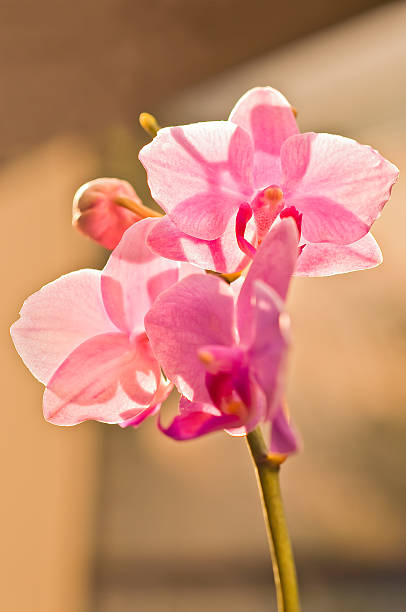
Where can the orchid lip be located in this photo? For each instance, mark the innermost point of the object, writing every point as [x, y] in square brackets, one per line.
[266, 205]
[236, 407]
[243, 216]
[292, 211]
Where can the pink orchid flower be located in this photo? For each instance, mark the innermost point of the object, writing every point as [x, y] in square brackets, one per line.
[212, 177]
[83, 337]
[225, 346]
[96, 213]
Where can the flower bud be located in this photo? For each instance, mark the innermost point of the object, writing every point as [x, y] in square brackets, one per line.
[98, 214]
[149, 123]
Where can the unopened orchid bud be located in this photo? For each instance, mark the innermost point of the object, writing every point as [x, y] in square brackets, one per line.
[149, 123]
[98, 211]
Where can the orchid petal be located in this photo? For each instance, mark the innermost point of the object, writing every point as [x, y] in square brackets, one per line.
[59, 412]
[58, 318]
[220, 255]
[340, 185]
[200, 174]
[284, 440]
[85, 385]
[195, 420]
[141, 375]
[269, 347]
[268, 117]
[133, 277]
[273, 264]
[134, 418]
[325, 259]
[197, 311]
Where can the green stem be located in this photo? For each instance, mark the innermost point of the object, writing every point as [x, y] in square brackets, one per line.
[283, 564]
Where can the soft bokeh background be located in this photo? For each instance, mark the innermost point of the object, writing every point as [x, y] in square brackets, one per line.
[96, 519]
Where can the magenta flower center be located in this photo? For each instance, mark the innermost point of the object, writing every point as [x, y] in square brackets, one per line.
[265, 206]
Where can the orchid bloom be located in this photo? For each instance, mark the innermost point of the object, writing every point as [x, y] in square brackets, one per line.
[97, 214]
[225, 349]
[83, 337]
[223, 184]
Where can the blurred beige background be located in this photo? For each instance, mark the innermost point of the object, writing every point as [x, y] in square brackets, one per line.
[96, 519]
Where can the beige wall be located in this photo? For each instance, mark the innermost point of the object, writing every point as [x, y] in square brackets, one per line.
[48, 475]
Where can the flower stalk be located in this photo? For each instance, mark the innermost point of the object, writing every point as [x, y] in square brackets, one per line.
[267, 469]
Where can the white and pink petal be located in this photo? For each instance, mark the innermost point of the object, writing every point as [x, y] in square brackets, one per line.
[134, 276]
[197, 311]
[326, 259]
[200, 174]
[58, 318]
[220, 255]
[339, 185]
[267, 116]
[268, 350]
[96, 375]
[274, 264]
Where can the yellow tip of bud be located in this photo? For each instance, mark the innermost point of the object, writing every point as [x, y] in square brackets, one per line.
[294, 111]
[149, 123]
[205, 357]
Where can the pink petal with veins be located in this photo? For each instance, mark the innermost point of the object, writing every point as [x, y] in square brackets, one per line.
[58, 318]
[340, 185]
[133, 277]
[94, 368]
[267, 116]
[220, 255]
[197, 311]
[269, 348]
[89, 378]
[273, 264]
[141, 377]
[325, 259]
[200, 174]
[133, 418]
[59, 412]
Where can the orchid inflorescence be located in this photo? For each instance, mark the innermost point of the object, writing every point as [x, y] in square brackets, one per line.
[250, 189]
[195, 298]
